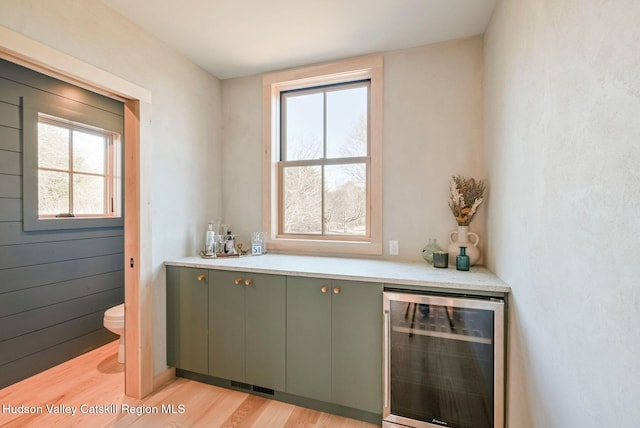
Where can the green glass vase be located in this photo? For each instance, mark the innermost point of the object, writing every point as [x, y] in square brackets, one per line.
[462, 260]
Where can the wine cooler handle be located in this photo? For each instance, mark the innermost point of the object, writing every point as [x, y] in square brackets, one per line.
[385, 356]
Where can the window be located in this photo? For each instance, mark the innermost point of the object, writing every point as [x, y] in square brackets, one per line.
[78, 170]
[323, 158]
[71, 163]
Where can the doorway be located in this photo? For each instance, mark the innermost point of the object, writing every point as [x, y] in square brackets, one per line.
[24, 51]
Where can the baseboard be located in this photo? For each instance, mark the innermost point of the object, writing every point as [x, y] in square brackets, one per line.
[163, 378]
[309, 403]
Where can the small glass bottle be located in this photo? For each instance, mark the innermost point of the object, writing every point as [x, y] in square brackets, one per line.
[230, 244]
[256, 244]
[462, 260]
[210, 242]
[428, 250]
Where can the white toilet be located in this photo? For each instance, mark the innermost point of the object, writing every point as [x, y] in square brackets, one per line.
[114, 322]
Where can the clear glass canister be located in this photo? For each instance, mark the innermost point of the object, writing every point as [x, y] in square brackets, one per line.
[428, 250]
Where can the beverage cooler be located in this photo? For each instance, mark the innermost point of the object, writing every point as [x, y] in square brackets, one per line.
[443, 361]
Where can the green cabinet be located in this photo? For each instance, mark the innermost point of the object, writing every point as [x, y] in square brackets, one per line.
[187, 318]
[356, 354]
[309, 337]
[314, 338]
[226, 326]
[247, 328]
[334, 341]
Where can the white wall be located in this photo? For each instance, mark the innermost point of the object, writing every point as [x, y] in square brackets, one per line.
[432, 130]
[186, 127]
[242, 156]
[562, 138]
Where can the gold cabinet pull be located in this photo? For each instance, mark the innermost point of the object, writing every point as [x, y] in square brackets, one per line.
[238, 281]
[249, 281]
[324, 289]
[336, 290]
[202, 277]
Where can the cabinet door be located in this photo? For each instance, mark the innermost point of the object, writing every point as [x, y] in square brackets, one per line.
[265, 317]
[187, 318]
[226, 325]
[309, 337]
[356, 353]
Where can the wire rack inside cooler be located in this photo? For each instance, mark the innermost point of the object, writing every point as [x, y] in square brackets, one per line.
[445, 322]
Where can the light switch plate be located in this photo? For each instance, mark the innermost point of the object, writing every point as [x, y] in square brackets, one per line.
[393, 247]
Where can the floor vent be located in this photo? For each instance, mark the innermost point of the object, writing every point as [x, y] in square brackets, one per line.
[262, 390]
[240, 385]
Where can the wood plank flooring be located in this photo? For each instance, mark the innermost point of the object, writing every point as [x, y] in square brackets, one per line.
[94, 383]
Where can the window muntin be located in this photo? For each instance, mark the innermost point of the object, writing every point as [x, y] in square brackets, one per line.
[78, 170]
[325, 162]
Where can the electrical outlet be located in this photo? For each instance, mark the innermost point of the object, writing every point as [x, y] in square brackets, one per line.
[393, 247]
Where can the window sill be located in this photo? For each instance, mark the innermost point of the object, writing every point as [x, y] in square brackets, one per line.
[66, 223]
[325, 247]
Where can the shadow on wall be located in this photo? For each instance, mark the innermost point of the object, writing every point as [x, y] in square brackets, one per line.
[519, 387]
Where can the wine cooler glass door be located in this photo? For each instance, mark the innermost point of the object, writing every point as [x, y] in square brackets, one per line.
[444, 361]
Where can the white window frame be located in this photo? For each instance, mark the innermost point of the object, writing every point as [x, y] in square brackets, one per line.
[362, 68]
[111, 174]
[75, 113]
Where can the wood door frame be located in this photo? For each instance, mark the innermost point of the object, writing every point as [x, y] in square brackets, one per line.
[22, 50]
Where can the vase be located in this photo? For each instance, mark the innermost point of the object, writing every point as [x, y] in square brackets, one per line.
[462, 236]
[462, 260]
[429, 249]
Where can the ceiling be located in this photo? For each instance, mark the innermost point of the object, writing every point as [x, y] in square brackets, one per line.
[232, 38]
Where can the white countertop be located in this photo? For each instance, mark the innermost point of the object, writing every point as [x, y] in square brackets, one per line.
[354, 269]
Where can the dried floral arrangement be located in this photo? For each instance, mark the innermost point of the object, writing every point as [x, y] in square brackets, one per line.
[466, 196]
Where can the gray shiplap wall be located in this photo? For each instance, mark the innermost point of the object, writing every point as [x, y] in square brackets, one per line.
[54, 285]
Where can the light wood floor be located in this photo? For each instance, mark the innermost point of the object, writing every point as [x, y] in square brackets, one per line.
[94, 381]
